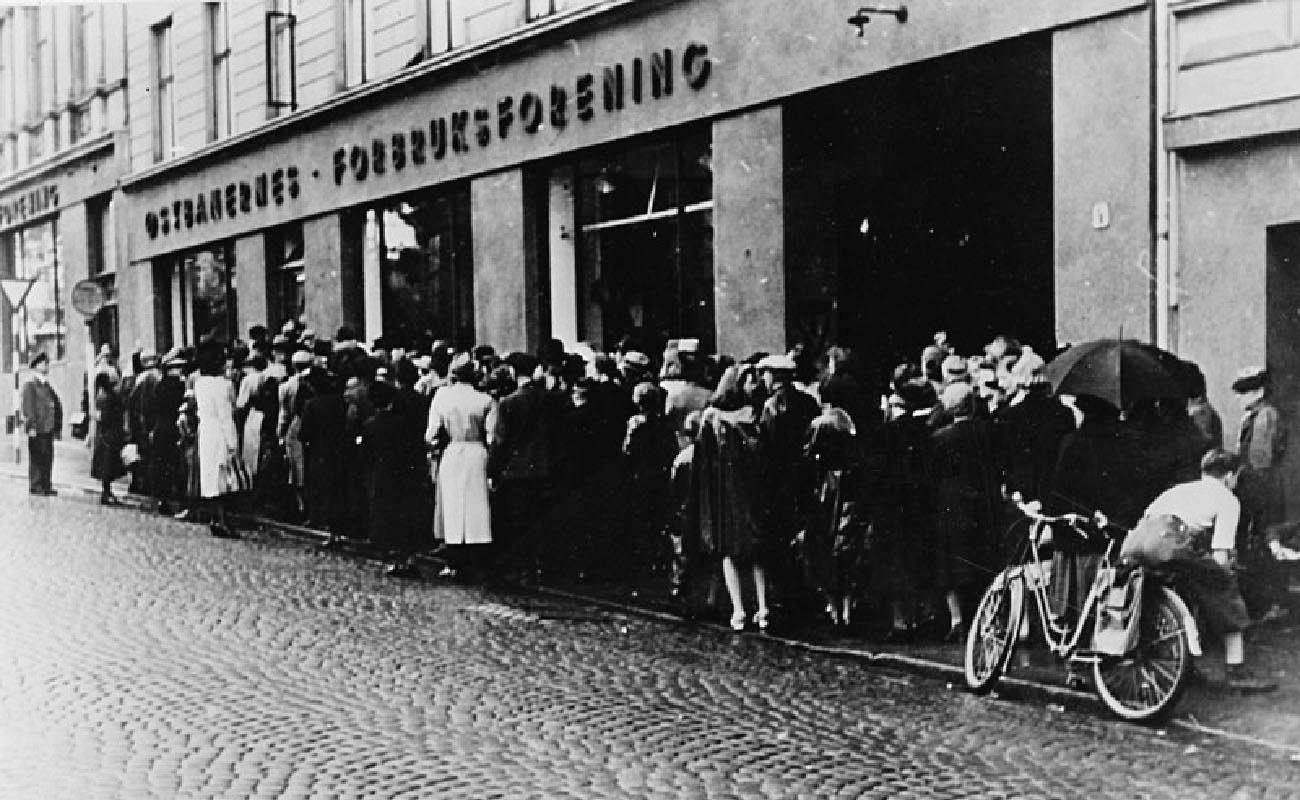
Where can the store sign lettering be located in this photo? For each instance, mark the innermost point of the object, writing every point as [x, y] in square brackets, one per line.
[17, 210]
[609, 91]
[224, 202]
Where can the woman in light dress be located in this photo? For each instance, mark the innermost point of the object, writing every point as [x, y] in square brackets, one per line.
[458, 428]
[218, 438]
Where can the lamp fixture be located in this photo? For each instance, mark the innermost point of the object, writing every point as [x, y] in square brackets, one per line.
[863, 16]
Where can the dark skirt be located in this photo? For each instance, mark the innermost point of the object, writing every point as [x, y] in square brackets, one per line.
[106, 455]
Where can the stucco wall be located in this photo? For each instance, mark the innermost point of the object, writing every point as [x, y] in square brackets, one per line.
[749, 233]
[1229, 195]
[1102, 164]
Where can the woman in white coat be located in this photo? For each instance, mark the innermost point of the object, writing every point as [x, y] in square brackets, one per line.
[458, 425]
[218, 439]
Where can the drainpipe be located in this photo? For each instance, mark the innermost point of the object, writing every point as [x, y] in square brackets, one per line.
[1164, 166]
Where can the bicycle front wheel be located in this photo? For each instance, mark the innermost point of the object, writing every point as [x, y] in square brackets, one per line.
[1144, 685]
[992, 634]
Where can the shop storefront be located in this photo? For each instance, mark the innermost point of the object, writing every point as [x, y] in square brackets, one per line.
[57, 227]
[749, 174]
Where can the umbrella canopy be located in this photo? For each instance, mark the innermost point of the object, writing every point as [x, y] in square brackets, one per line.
[1119, 371]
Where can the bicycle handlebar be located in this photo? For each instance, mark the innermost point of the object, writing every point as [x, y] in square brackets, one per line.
[1033, 510]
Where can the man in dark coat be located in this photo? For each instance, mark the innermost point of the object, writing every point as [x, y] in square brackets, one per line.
[166, 470]
[1029, 433]
[392, 463]
[140, 412]
[521, 464]
[324, 437]
[783, 425]
[42, 419]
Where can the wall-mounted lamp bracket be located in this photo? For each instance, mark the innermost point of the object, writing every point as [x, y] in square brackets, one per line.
[863, 15]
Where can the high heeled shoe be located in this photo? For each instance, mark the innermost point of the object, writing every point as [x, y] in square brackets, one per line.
[738, 621]
[760, 619]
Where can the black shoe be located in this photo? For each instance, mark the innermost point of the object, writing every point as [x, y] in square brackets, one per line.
[1243, 680]
[900, 636]
[50, 493]
[222, 531]
[402, 571]
[109, 500]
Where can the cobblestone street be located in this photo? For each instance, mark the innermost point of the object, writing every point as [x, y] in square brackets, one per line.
[139, 657]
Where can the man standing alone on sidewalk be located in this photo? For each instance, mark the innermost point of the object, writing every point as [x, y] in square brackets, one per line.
[42, 419]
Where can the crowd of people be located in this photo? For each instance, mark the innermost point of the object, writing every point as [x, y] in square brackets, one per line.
[797, 472]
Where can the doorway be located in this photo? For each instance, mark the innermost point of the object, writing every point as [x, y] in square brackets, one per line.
[1282, 324]
[920, 200]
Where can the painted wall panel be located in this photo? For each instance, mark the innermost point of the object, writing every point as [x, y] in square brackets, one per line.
[1102, 168]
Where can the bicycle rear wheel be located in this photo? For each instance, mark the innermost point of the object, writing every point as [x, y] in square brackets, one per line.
[1144, 685]
[992, 634]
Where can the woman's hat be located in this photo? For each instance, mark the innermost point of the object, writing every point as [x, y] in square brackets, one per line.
[955, 368]
[300, 358]
[173, 358]
[1250, 379]
[917, 395]
[778, 363]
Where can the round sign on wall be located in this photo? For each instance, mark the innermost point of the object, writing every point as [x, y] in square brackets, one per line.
[88, 297]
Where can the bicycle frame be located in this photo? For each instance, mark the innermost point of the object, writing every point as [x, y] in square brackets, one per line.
[1064, 641]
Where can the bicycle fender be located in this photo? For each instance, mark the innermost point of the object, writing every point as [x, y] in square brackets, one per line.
[1189, 622]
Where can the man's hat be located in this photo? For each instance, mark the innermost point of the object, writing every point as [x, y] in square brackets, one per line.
[1249, 379]
[955, 368]
[40, 358]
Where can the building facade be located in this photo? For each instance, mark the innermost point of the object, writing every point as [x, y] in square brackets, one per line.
[1231, 143]
[749, 172]
[63, 112]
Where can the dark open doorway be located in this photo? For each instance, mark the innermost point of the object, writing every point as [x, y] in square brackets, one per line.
[1282, 288]
[921, 200]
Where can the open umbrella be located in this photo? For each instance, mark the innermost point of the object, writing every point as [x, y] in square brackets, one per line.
[1119, 371]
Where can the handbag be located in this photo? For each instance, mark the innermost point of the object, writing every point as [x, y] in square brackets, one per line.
[234, 476]
[80, 424]
[130, 454]
[1158, 540]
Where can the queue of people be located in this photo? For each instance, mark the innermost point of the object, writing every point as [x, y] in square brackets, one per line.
[789, 473]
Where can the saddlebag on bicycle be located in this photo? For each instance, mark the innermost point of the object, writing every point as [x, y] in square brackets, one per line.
[1118, 610]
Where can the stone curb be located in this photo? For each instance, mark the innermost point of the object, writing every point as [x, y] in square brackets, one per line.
[1010, 688]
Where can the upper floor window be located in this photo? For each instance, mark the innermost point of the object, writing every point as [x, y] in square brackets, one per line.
[39, 62]
[219, 28]
[358, 44]
[79, 19]
[456, 23]
[164, 98]
[7, 98]
[541, 8]
[281, 57]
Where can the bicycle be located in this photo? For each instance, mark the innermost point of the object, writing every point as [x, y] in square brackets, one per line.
[1140, 684]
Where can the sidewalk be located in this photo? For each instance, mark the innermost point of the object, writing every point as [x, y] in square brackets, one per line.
[1271, 720]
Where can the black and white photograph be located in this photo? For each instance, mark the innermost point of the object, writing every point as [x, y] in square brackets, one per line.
[663, 399]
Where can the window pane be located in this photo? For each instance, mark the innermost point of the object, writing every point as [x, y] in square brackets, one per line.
[211, 279]
[477, 20]
[427, 269]
[39, 324]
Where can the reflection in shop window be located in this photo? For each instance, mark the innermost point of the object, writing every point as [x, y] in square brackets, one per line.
[285, 274]
[427, 268]
[211, 286]
[37, 326]
[646, 248]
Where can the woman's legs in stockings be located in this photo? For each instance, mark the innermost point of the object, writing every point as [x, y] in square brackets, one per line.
[760, 593]
[731, 576]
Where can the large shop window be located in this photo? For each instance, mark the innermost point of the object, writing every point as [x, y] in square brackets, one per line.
[33, 258]
[284, 274]
[427, 267]
[194, 297]
[645, 221]
[103, 268]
